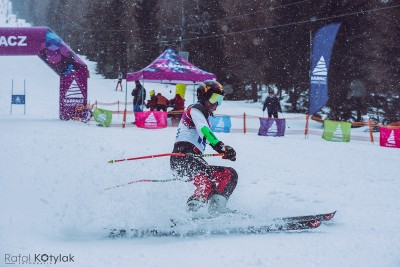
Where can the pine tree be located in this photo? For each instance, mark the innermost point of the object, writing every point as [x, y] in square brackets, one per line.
[118, 35]
[204, 42]
[348, 78]
[287, 60]
[383, 69]
[246, 45]
[147, 48]
[108, 36]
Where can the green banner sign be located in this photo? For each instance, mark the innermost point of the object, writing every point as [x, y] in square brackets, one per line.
[102, 116]
[337, 131]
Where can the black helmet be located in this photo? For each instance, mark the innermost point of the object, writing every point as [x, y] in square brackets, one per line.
[207, 88]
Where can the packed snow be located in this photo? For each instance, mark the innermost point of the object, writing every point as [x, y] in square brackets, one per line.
[53, 175]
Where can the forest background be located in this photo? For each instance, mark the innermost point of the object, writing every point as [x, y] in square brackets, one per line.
[250, 45]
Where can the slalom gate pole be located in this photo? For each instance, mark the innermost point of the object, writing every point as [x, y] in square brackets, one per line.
[306, 128]
[143, 181]
[167, 155]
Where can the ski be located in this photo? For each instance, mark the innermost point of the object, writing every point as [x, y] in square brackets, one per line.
[320, 217]
[207, 231]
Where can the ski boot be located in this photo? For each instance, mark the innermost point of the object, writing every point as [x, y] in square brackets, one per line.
[194, 204]
[217, 205]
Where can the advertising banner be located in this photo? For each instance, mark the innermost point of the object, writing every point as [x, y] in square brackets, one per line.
[22, 41]
[18, 99]
[180, 90]
[151, 119]
[337, 131]
[320, 59]
[390, 137]
[272, 127]
[102, 116]
[220, 124]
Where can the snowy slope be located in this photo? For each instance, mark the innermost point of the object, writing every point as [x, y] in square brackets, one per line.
[53, 175]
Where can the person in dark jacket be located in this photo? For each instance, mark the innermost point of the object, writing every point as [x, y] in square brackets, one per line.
[273, 105]
[139, 96]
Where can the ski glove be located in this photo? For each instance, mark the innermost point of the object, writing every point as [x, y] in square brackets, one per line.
[229, 152]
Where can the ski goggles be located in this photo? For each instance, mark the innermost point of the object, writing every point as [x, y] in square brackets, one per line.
[216, 98]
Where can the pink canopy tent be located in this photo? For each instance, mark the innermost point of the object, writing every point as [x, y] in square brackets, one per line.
[170, 67]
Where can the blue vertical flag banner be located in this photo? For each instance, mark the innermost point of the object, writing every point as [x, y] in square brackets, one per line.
[320, 59]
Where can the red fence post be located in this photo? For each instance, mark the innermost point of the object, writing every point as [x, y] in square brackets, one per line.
[306, 128]
[124, 119]
[244, 122]
[371, 136]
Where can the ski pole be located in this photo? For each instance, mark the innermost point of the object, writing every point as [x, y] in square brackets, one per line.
[166, 155]
[285, 121]
[142, 181]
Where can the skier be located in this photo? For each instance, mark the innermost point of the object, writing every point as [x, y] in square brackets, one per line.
[214, 184]
[119, 80]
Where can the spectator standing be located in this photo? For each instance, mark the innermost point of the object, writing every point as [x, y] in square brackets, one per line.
[273, 105]
[139, 96]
